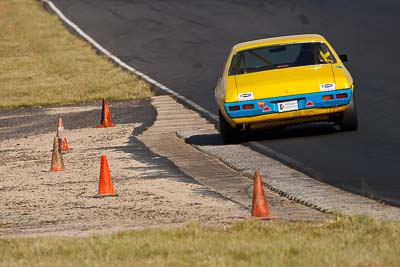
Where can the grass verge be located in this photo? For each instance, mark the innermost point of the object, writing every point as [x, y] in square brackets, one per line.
[42, 63]
[346, 241]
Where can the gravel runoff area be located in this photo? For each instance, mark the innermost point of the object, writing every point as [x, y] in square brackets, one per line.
[151, 190]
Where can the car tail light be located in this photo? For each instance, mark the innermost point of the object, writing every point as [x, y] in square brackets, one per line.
[234, 108]
[327, 97]
[343, 95]
[248, 106]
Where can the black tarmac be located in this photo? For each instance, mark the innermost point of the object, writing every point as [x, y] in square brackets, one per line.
[24, 122]
[184, 44]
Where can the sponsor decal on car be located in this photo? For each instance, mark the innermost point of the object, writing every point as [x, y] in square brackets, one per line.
[323, 87]
[246, 96]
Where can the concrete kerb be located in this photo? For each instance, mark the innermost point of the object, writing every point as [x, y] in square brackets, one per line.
[293, 184]
[285, 194]
[250, 176]
[49, 5]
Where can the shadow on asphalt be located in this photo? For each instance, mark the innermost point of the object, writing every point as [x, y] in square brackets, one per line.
[306, 130]
[205, 140]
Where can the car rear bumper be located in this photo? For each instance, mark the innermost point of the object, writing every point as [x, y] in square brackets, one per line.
[309, 105]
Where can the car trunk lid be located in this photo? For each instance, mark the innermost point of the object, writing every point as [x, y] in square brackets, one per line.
[286, 82]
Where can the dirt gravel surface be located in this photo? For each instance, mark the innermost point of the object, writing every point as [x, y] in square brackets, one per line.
[151, 190]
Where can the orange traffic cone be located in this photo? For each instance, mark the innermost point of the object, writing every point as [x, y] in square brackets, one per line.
[105, 116]
[105, 184]
[62, 140]
[260, 208]
[57, 163]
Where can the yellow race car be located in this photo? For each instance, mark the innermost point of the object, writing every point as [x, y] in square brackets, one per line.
[281, 81]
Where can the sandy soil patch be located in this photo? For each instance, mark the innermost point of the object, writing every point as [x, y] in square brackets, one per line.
[35, 201]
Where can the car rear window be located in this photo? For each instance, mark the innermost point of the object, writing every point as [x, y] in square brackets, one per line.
[280, 56]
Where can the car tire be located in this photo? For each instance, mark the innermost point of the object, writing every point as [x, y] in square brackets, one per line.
[348, 120]
[230, 135]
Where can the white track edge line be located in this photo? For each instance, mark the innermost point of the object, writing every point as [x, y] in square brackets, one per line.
[126, 66]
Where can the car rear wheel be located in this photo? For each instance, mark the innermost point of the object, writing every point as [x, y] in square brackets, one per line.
[230, 135]
[348, 121]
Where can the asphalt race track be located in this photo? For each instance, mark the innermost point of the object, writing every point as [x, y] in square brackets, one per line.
[184, 44]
